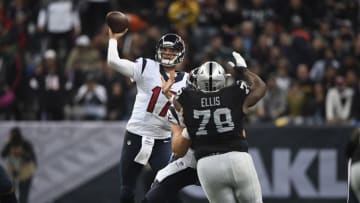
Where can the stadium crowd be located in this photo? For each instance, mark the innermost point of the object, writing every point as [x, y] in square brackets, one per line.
[53, 55]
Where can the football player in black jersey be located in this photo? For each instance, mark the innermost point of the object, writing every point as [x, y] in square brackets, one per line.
[353, 154]
[7, 194]
[213, 115]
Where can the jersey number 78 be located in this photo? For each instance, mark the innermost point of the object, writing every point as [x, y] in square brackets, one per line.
[222, 125]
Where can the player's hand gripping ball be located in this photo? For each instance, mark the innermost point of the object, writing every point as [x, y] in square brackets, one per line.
[117, 21]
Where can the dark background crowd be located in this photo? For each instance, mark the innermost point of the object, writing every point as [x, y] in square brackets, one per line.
[53, 55]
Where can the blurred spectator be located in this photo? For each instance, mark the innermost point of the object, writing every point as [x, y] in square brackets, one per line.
[339, 48]
[49, 83]
[247, 33]
[350, 63]
[93, 14]
[183, 13]
[59, 20]
[152, 36]
[324, 31]
[357, 47]
[90, 100]
[318, 116]
[338, 102]
[274, 102]
[296, 13]
[295, 101]
[215, 50]
[12, 71]
[318, 69]
[133, 46]
[7, 100]
[117, 102]
[301, 43]
[351, 79]
[261, 50]
[100, 41]
[158, 14]
[20, 161]
[328, 80]
[20, 14]
[307, 87]
[231, 14]
[210, 14]
[7, 97]
[83, 58]
[287, 50]
[283, 79]
[237, 44]
[258, 12]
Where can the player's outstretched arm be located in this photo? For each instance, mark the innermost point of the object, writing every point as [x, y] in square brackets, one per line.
[123, 66]
[180, 141]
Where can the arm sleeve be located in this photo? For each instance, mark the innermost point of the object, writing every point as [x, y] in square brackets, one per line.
[100, 93]
[185, 134]
[41, 18]
[80, 94]
[329, 106]
[123, 66]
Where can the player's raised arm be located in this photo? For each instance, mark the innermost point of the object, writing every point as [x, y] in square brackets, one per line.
[257, 85]
[123, 66]
[257, 89]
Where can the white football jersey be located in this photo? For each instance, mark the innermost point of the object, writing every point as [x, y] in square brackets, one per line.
[149, 116]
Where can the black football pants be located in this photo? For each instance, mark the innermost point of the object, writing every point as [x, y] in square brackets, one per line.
[6, 189]
[166, 190]
[130, 170]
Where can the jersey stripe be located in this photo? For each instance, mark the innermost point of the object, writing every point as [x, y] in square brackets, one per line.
[165, 109]
[143, 65]
[179, 75]
[210, 78]
[174, 114]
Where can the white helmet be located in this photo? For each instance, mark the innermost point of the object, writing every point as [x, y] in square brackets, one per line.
[172, 41]
[210, 77]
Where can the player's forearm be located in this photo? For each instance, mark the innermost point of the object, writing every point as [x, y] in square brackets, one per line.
[180, 144]
[123, 66]
[257, 87]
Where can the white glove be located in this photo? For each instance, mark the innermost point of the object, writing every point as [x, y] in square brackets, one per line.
[240, 61]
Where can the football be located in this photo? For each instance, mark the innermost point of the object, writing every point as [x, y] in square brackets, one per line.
[117, 21]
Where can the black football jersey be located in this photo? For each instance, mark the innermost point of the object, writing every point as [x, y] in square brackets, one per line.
[214, 120]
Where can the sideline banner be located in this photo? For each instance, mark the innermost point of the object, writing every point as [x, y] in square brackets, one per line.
[69, 154]
[294, 164]
[300, 165]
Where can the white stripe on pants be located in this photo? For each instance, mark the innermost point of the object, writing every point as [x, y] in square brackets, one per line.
[230, 178]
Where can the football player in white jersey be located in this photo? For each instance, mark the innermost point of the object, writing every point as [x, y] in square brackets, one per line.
[148, 135]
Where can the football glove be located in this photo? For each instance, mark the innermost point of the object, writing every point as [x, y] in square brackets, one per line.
[239, 61]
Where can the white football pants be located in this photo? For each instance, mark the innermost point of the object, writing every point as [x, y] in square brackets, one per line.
[355, 179]
[230, 178]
